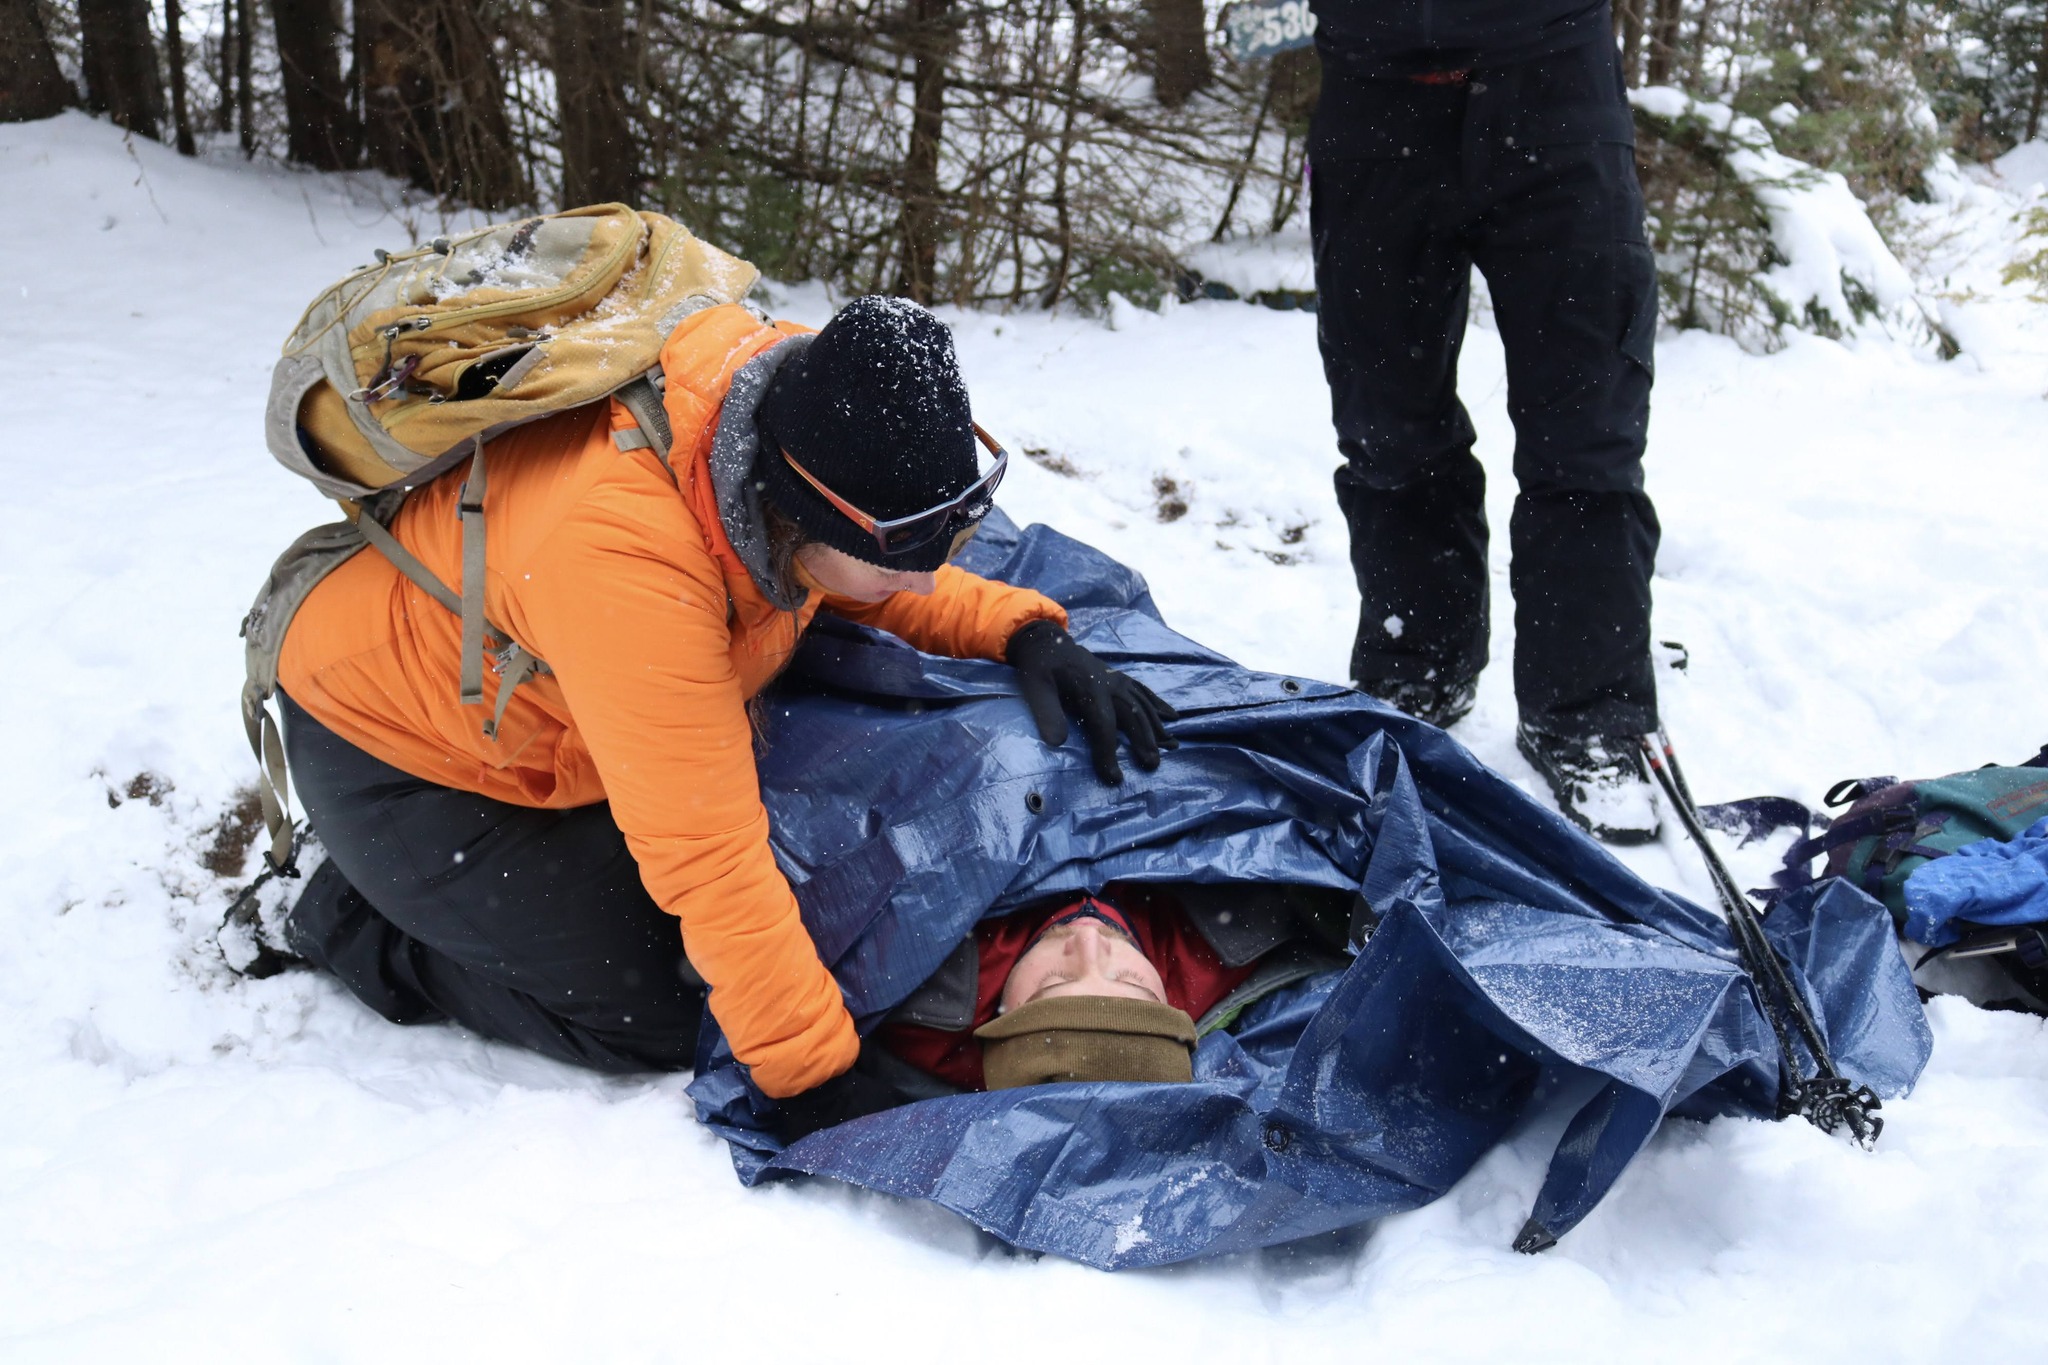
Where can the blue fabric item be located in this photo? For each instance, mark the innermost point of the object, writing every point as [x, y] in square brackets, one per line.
[1991, 882]
[1515, 964]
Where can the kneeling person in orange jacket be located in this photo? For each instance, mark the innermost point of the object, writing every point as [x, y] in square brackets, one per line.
[529, 888]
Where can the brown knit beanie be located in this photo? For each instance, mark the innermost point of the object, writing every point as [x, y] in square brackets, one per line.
[1087, 1038]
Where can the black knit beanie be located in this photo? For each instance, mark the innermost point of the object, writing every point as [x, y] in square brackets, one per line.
[875, 408]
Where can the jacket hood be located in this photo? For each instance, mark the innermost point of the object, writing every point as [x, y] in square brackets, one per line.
[734, 449]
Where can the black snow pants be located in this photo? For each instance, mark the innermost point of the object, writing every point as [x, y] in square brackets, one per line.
[527, 926]
[1527, 171]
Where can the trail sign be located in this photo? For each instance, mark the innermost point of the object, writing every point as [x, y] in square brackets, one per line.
[1260, 28]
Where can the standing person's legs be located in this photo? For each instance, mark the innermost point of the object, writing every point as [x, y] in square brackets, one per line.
[1575, 297]
[1393, 280]
[527, 926]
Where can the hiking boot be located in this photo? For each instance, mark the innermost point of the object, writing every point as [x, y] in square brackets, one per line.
[1442, 704]
[1600, 783]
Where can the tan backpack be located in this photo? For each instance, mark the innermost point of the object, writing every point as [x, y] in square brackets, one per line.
[403, 369]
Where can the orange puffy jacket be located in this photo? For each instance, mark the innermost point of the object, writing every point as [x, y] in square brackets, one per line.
[623, 580]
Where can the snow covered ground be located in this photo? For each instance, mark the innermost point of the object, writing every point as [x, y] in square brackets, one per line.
[196, 1166]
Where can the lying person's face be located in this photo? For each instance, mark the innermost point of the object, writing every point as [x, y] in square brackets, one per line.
[1082, 957]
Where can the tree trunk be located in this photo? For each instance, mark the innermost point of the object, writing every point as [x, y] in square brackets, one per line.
[1179, 40]
[2040, 85]
[118, 53]
[1693, 72]
[224, 111]
[245, 83]
[1063, 160]
[1251, 153]
[321, 132]
[1664, 41]
[433, 100]
[600, 160]
[931, 43]
[1297, 86]
[1628, 18]
[31, 83]
[174, 54]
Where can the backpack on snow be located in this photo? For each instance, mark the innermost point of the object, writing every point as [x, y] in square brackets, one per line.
[1891, 829]
[1888, 830]
[404, 369]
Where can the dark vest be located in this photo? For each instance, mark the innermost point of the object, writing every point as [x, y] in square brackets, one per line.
[1408, 37]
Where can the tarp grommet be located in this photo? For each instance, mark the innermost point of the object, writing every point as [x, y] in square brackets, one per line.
[1277, 1138]
[1291, 686]
[1034, 802]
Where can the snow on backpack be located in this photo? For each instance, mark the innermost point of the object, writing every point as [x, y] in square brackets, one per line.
[402, 370]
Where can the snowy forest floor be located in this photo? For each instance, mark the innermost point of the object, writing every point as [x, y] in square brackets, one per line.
[192, 1165]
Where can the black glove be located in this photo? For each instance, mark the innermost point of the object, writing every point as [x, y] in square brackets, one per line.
[1059, 678]
[849, 1095]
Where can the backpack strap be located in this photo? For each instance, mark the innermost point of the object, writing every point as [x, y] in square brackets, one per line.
[516, 663]
[1884, 822]
[408, 564]
[299, 570]
[271, 787]
[642, 398]
[1853, 789]
[470, 501]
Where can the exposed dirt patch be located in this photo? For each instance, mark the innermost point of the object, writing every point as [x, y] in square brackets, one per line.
[1058, 464]
[1170, 501]
[228, 847]
[144, 786]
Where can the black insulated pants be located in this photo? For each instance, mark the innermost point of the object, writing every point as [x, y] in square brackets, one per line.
[527, 926]
[1528, 172]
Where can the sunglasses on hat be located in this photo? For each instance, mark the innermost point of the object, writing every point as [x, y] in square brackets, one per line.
[1088, 908]
[957, 516]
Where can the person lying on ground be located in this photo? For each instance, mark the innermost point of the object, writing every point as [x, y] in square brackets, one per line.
[1112, 987]
[530, 889]
[1513, 972]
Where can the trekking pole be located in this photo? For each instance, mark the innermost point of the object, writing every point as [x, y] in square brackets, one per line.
[1826, 1099]
[1745, 925]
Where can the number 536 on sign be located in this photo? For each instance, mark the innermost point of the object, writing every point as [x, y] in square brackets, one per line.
[1260, 28]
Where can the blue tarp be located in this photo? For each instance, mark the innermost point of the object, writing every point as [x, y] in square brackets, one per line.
[1515, 962]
